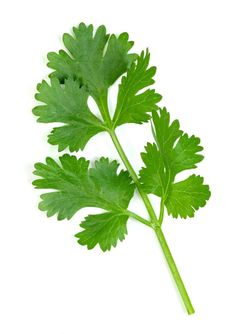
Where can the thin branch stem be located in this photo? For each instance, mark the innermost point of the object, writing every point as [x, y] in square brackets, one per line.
[103, 106]
[139, 218]
[134, 176]
[174, 271]
[162, 209]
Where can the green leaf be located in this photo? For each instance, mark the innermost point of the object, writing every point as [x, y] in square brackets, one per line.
[104, 229]
[78, 186]
[67, 104]
[133, 107]
[153, 176]
[187, 196]
[173, 152]
[165, 133]
[65, 67]
[185, 154]
[97, 59]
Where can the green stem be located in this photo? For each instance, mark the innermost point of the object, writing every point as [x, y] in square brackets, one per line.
[161, 215]
[174, 271]
[170, 261]
[104, 110]
[103, 107]
[156, 226]
[134, 176]
[139, 218]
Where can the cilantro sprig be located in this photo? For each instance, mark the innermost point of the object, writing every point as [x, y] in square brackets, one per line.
[90, 64]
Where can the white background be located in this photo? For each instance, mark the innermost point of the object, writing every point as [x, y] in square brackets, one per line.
[49, 283]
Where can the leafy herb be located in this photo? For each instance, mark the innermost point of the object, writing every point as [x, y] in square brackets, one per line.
[93, 61]
[67, 104]
[165, 159]
[131, 106]
[78, 187]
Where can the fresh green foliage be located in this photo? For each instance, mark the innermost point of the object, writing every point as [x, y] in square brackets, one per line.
[187, 196]
[67, 104]
[172, 153]
[78, 186]
[105, 229]
[97, 60]
[132, 107]
[92, 62]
